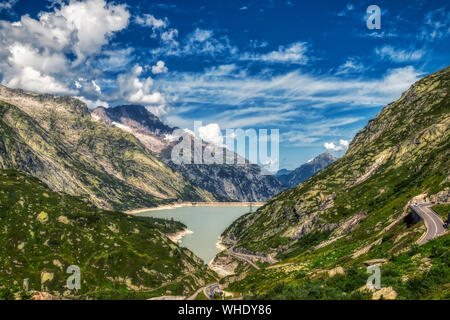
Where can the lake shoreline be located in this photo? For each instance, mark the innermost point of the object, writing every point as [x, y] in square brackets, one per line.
[177, 236]
[217, 264]
[220, 246]
[195, 204]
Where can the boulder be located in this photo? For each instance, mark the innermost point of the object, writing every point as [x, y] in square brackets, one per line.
[46, 276]
[384, 294]
[38, 295]
[335, 271]
[43, 217]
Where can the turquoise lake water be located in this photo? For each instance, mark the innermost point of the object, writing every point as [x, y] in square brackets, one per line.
[206, 223]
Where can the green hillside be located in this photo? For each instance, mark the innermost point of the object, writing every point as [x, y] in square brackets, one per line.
[120, 256]
[353, 211]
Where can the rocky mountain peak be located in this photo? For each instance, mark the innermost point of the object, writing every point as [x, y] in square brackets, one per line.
[136, 117]
[323, 157]
[306, 170]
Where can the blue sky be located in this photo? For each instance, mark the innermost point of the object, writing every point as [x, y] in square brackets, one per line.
[311, 69]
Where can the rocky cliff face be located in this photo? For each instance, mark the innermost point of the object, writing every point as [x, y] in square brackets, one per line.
[138, 121]
[232, 182]
[403, 152]
[133, 116]
[57, 141]
[306, 170]
[226, 182]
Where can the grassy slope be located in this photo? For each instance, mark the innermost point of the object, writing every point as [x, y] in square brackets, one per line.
[420, 273]
[411, 136]
[120, 256]
[443, 210]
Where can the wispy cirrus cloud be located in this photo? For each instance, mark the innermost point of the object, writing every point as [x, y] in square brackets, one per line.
[300, 103]
[437, 25]
[7, 5]
[314, 132]
[292, 86]
[349, 7]
[399, 55]
[148, 20]
[294, 53]
[199, 42]
[203, 42]
[351, 65]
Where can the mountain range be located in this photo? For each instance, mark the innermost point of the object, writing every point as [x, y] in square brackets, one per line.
[56, 140]
[291, 178]
[226, 182]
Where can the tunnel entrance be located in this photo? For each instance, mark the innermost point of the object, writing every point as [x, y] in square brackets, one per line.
[412, 218]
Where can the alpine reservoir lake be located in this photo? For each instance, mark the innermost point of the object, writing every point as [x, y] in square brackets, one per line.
[206, 223]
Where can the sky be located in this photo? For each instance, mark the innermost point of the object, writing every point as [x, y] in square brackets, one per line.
[311, 69]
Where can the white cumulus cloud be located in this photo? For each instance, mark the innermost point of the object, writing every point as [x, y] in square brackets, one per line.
[343, 145]
[160, 67]
[45, 54]
[138, 90]
[94, 22]
[148, 20]
[96, 86]
[211, 133]
[35, 81]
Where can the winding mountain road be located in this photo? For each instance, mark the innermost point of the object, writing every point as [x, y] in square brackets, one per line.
[243, 257]
[210, 290]
[433, 222]
[194, 295]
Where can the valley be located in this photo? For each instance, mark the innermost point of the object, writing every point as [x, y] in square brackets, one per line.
[67, 176]
[224, 150]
